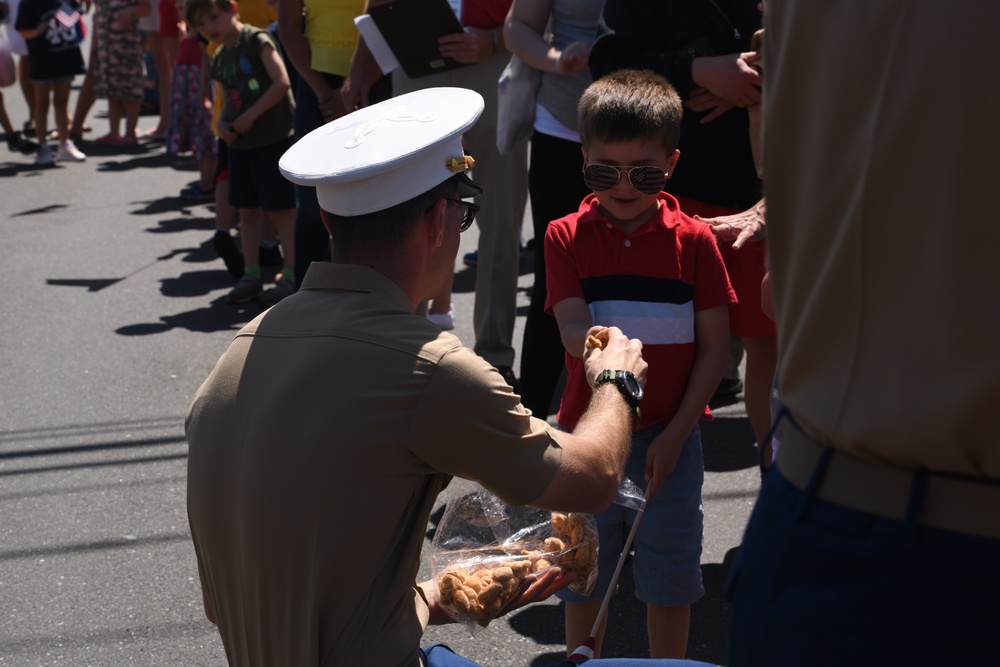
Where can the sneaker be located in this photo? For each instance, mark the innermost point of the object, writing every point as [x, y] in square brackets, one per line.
[270, 255]
[246, 290]
[43, 158]
[229, 252]
[444, 321]
[284, 287]
[17, 142]
[195, 192]
[68, 152]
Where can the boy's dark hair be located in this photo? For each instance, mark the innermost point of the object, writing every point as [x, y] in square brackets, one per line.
[195, 9]
[631, 104]
[386, 229]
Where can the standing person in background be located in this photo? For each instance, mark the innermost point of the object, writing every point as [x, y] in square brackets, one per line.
[256, 124]
[318, 37]
[876, 537]
[19, 48]
[554, 182]
[163, 63]
[53, 34]
[703, 49]
[481, 48]
[118, 65]
[16, 141]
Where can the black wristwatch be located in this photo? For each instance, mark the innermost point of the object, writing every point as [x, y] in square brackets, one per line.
[629, 387]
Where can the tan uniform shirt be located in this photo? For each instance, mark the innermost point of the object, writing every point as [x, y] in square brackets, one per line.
[317, 448]
[883, 227]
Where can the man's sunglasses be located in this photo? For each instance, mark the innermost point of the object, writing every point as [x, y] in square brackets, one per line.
[601, 177]
[470, 212]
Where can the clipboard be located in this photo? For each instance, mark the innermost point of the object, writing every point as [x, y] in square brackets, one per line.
[411, 28]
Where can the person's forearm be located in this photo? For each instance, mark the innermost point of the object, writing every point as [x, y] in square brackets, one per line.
[273, 95]
[528, 45]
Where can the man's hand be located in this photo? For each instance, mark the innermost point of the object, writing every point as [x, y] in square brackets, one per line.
[701, 100]
[733, 78]
[739, 227]
[471, 46]
[619, 353]
[536, 587]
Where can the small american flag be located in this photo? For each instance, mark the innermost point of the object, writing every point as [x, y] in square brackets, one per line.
[68, 15]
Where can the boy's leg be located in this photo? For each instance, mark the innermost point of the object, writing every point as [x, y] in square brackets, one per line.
[668, 629]
[41, 110]
[580, 617]
[27, 87]
[60, 106]
[250, 239]
[85, 99]
[283, 222]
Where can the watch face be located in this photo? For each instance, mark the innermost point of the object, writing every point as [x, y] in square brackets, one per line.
[633, 386]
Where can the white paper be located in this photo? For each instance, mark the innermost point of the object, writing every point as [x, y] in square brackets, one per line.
[376, 43]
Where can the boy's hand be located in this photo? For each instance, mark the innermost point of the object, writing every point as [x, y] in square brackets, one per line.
[226, 132]
[619, 353]
[241, 124]
[662, 457]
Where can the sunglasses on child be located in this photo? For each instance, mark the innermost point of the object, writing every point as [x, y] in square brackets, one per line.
[470, 212]
[601, 177]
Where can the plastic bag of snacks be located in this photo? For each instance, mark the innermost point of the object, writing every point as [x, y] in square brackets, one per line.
[483, 549]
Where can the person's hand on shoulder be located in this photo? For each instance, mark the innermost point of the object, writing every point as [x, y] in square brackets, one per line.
[748, 225]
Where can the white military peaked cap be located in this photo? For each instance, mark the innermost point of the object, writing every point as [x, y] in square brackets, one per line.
[387, 153]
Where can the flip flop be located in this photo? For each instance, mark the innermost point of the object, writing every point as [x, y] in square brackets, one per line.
[107, 139]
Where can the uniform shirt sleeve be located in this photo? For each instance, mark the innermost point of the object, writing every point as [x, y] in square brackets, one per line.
[470, 424]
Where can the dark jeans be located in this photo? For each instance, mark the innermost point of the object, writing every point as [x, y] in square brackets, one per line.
[817, 584]
[312, 241]
[556, 187]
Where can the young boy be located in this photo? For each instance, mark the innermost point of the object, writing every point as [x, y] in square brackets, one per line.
[629, 258]
[256, 123]
[52, 31]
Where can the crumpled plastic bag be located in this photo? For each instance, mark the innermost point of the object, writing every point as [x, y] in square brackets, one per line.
[483, 549]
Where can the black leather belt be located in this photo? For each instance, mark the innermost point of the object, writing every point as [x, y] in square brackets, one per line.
[956, 504]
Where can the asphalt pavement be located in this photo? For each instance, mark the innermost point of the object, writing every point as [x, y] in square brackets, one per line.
[113, 313]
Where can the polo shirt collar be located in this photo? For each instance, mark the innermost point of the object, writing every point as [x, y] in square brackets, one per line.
[667, 216]
[355, 278]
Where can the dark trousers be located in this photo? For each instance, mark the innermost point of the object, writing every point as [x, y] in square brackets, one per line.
[818, 584]
[556, 187]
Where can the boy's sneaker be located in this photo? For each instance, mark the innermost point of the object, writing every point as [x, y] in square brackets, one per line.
[43, 158]
[17, 142]
[227, 250]
[284, 287]
[68, 152]
[246, 290]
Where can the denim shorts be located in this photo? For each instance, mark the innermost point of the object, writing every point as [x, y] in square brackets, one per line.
[666, 561]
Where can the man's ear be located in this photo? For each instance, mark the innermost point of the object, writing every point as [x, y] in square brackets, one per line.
[437, 219]
[326, 221]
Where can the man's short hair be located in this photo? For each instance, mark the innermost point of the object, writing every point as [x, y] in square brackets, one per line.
[631, 104]
[386, 230]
